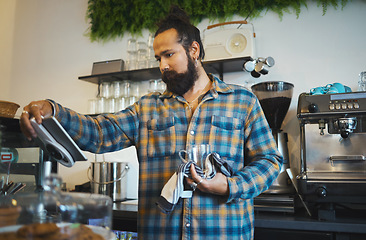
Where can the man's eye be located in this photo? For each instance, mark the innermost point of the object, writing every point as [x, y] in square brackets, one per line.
[169, 54]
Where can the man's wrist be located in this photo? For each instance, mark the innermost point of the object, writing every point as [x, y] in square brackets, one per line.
[53, 107]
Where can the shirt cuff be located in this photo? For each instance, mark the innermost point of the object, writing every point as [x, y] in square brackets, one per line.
[53, 107]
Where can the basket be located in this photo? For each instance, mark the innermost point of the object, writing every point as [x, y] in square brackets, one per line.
[8, 109]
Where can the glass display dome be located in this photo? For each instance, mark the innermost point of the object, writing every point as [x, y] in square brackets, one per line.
[52, 214]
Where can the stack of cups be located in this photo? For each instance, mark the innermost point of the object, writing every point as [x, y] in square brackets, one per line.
[102, 98]
[131, 63]
[151, 61]
[135, 93]
[125, 94]
[118, 104]
[156, 85]
[141, 55]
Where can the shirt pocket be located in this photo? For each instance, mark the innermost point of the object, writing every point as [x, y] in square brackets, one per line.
[161, 137]
[227, 137]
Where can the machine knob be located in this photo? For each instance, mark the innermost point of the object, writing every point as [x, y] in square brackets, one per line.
[313, 108]
[344, 134]
[322, 192]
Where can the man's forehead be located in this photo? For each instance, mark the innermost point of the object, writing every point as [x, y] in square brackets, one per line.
[168, 36]
[166, 40]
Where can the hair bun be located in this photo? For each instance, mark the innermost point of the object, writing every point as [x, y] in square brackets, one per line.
[177, 13]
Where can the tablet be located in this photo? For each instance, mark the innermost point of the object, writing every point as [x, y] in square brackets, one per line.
[57, 142]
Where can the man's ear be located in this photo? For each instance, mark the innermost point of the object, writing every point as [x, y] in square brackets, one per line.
[195, 50]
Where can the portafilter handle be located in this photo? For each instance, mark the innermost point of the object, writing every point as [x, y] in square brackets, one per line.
[346, 126]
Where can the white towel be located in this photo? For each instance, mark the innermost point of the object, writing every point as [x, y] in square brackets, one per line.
[173, 190]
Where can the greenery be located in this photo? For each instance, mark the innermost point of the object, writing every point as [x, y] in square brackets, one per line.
[110, 19]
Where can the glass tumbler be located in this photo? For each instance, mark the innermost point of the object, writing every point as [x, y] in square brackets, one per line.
[142, 55]
[362, 81]
[156, 85]
[131, 63]
[105, 90]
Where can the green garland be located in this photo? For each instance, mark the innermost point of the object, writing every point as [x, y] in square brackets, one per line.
[110, 19]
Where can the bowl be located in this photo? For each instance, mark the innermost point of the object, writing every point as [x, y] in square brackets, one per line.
[8, 109]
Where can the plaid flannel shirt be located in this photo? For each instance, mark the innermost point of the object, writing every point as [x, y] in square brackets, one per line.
[229, 118]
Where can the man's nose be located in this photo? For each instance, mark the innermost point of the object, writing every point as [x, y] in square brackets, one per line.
[164, 66]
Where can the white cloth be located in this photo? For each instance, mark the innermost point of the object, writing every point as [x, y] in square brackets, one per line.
[173, 190]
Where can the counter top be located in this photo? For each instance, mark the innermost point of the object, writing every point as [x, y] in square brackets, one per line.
[126, 209]
[127, 212]
[302, 222]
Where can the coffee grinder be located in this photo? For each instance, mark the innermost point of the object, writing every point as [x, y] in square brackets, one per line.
[275, 98]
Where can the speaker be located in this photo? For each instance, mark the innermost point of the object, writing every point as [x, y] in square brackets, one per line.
[108, 66]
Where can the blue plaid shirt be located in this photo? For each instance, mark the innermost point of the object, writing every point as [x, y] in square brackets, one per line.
[229, 118]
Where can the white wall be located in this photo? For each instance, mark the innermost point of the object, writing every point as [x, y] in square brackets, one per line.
[46, 51]
[7, 14]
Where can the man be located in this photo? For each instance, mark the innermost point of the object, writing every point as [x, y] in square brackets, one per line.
[197, 108]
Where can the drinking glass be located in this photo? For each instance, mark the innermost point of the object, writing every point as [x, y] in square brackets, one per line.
[92, 105]
[156, 85]
[120, 104]
[131, 45]
[150, 40]
[105, 90]
[100, 105]
[117, 89]
[362, 82]
[131, 63]
[142, 55]
[126, 88]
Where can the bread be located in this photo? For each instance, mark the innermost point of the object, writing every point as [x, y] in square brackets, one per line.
[50, 231]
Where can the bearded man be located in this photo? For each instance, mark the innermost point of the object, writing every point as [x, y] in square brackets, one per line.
[196, 108]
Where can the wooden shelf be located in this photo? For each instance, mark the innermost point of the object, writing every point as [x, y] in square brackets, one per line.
[216, 67]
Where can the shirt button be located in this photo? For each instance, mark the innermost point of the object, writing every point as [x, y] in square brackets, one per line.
[188, 225]
[192, 132]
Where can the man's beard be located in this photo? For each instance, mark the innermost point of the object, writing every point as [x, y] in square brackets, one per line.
[180, 83]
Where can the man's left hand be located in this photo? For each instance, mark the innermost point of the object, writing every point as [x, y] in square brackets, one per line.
[218, 185]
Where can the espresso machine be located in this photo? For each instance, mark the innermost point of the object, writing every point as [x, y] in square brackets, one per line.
[275, 99]
[332, 177]
[23, 163]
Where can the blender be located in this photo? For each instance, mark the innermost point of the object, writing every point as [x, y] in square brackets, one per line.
[275, 98]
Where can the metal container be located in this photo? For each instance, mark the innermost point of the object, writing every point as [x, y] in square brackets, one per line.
[109, 178]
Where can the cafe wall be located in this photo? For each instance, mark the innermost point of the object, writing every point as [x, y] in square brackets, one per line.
[44, 50]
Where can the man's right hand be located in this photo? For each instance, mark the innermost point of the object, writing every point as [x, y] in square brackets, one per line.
[36, 109]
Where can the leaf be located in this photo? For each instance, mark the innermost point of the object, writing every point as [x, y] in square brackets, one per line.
[110, 19]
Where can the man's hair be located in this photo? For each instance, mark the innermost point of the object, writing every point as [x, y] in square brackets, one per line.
[187, 33]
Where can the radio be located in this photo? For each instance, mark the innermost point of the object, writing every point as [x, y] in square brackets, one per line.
[224, 42]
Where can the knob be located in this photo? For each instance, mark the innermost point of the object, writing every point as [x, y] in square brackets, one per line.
[249, 66]
[344, 134]
[270, 61]
[313, 108]
[322, 192]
